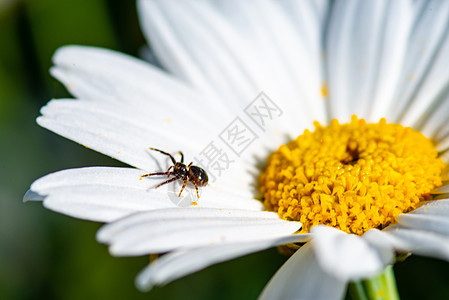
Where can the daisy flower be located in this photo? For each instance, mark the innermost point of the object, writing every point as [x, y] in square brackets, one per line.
[341, 160]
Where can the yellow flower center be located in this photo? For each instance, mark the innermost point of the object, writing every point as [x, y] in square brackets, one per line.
[354, 176]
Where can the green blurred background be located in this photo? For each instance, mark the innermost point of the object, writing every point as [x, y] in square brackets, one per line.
[44, 255]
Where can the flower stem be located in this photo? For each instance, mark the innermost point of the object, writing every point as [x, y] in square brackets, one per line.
[382, 286]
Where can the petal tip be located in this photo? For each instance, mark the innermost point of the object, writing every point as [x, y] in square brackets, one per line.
[32, 196]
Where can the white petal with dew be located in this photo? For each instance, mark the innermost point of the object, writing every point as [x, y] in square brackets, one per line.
[420, 242]
[169, 229]
[183, 262]
[302, 278]
[346, 256]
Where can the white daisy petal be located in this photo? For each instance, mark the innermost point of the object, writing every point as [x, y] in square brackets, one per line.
[430, 92]
[107, 233]
[220, 198]
[115, 183]
[443, 132]
[301, 60]
[442, 190]
[307, 17]
[32, 196]
[445, 156]
[92, 73]
[443, 146]
[100, 194]
[171, 30]
[302, 278]
[366, 46]
[393, 46]
[292, 63]
[419, 242]
[421, 53]
[431, 223]
[441, 196]
[183, 262]
[104, 203]
[383, 242]
[116, 131]
[322, 7]
[346, 256]
[418, 7]
[244, 186]
[106, 176]
[433, 123]
[248, 58]
[436, 207]
[150, 122]
[169, 229]
[353, 37]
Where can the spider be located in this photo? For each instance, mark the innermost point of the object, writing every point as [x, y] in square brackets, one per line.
[194, 174]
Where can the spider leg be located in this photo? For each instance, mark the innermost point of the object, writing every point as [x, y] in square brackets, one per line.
[167, 181]
[196, 187]
[168, 175]
[189, 165]
[182, 156]
[183, 186]
[163, 152]
[157, 173]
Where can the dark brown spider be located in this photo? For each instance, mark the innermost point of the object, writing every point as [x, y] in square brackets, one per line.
[194, 174]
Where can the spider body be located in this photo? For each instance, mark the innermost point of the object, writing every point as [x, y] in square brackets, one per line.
[194, 174]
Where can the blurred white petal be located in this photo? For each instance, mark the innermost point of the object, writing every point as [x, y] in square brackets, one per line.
[302, 278]
[420, 242]
[183, 262]
[346, 256]
[169, 229]
[426, 222]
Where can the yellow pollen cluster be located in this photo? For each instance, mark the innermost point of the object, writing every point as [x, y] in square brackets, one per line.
[353, 177]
